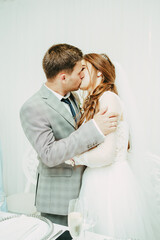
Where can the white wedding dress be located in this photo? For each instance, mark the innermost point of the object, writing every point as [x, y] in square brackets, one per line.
[111, 188]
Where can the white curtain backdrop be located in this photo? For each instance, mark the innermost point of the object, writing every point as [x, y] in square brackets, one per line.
[128, 31]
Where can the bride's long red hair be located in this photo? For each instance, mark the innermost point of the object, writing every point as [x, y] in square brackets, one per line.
[103, 64]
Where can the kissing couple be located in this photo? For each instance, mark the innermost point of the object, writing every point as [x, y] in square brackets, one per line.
[84, 152]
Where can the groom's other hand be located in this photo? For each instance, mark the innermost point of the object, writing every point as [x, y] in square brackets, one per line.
[106, 121]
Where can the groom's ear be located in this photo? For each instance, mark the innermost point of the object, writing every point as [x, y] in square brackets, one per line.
[62, 76]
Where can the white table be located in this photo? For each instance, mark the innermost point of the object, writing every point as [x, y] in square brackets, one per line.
[57, 228]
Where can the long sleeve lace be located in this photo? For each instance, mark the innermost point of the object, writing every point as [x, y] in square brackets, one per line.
[104, 153]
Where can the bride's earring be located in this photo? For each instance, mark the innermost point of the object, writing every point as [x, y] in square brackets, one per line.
[99, 74]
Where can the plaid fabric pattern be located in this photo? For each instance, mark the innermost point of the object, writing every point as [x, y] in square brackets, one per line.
[50, 128]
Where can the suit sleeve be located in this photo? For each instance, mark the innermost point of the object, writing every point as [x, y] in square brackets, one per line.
[42, 137]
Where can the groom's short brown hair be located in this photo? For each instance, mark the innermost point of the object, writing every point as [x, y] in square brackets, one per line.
[60, 57]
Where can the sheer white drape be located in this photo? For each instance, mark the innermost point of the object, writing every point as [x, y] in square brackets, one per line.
[128, 31]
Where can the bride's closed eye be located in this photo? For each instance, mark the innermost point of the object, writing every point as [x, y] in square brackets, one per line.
[83, 68]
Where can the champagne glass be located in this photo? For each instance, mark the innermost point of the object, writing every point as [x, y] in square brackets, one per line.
[75, 218]
[90, 219]
[90, 222]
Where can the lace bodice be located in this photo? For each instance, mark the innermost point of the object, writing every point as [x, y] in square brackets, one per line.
[122, 141]
[114, 148]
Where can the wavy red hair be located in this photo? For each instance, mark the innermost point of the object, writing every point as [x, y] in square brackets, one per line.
[103, 64]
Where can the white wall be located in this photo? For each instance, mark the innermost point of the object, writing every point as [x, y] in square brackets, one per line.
[128, 31]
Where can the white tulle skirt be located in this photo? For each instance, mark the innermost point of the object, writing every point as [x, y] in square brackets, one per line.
[115, 195]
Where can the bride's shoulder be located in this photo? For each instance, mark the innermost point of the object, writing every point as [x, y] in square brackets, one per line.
[109, 95]
[111, 100]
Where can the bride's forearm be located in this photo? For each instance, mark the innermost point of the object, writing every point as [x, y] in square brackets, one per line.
[102, 155]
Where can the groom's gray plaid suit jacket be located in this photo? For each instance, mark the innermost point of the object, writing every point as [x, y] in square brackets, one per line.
[50, 129]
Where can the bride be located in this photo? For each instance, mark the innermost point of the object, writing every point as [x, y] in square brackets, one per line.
[114, 189]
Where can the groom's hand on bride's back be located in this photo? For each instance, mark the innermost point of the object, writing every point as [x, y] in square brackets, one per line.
[106, 121]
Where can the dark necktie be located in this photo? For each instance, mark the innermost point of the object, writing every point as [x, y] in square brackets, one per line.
[66, 100]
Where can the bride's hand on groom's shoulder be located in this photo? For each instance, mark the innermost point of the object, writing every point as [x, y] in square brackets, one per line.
[106, 121]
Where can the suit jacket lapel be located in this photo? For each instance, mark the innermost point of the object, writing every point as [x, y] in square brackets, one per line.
[77, 105]
[56, 104]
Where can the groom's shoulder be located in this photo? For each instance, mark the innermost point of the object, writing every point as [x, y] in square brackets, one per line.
[32, 102]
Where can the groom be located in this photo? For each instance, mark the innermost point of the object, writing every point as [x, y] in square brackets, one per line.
[49, 120]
